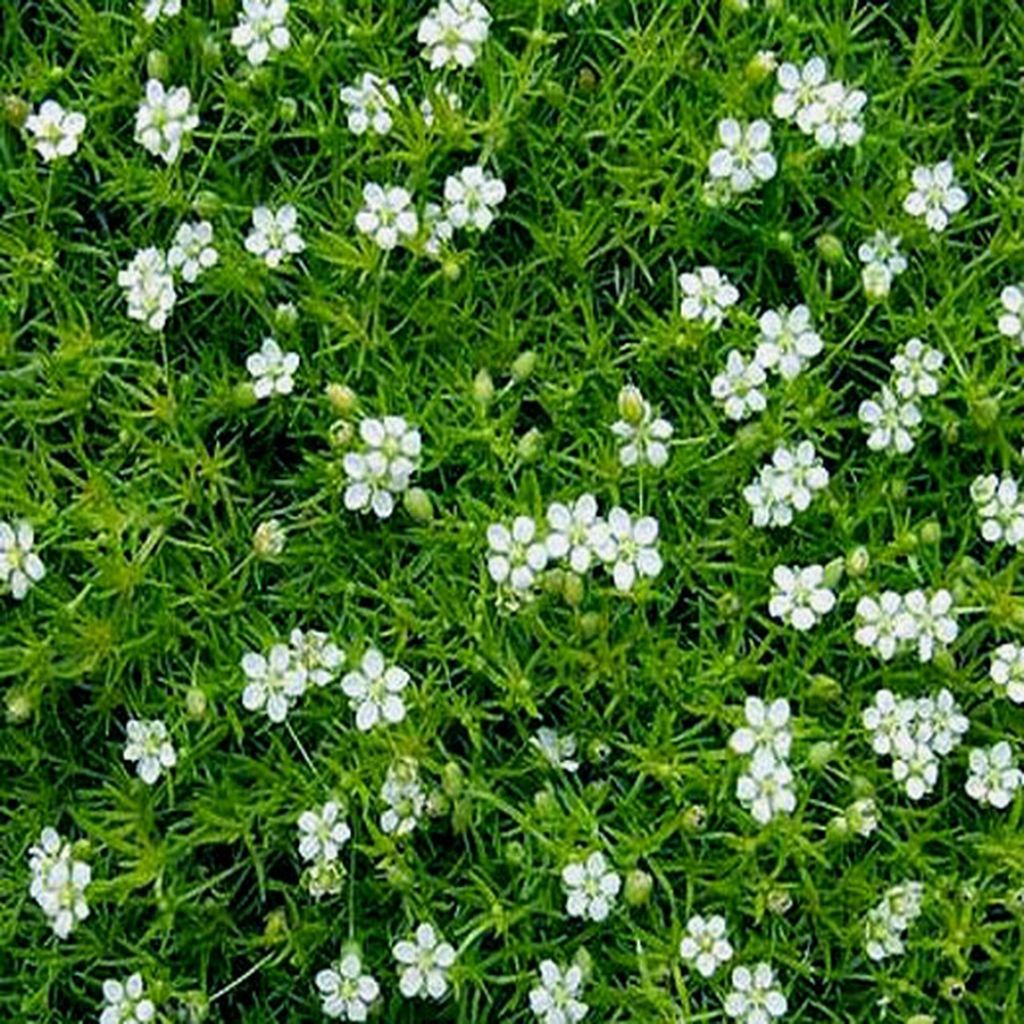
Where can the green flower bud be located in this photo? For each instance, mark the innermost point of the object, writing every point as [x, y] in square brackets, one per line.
[341, 433]
[587, 80]
[545, 804]
[286, 316]
[287, 109]
[830, 249]
[838, 829]
[632, 407]
[418, 505]
[824, 689]
[483, 387]
[638, 887]
[592, 624]
[515, 853]
[524, 365]
[268, 539]
[834, 573]
[877, 281]
[857, 561]
[16, 110]
[342, 398]
[778, 901]
[530, 445]
[985, 411]
[820, 755]
[20, 705]
[451, 269]
[276, 928]
[930, 532]
[207, 204]
[572, 589]
[452, 778]
[761, 66]
[157, 64]
[196, 703]
[784, 240]
[695, 817]
[210, 53]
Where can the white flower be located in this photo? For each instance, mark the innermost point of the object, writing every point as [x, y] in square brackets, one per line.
[798, 93]
[55, 131]
[915, 367]
[20, 566]
[836, 115]
[126, 1003]
[471, 197]
[374, 691]
[707, 296]
[453, 33]
[1000, 508]
[347, 993]
[370, 102]
[1007, 670]
[576, 534]
[322, 832]
[765, 789]
[885, 923]
[404, 797]
[440, 229]
[876, 620]
[260, 29]
[887, 719]
[929, 622]
[59, 882]
[164, 120]
[149, 747]
[423, 964]
[767, 729]
[1011, 322]
[786, 485]
[800, 596]
[788, 341]
[149, 288]
[556, 999]
[317, 654]
[706, 944]
[153, 9]
[559, 749]
[738, 387]
[755, 997]
[645, 441]
[915, 765]
[274, 236]
[940, 722]
[862, 816]
[744, 159]
[883, 249]
[573, 7]
[385, 465]
[994, 775]
[632, 549]
[890, 422]
[516, 555]
[275, 681]
[387, 215]
[935, 195]
[193, 250]
[591, 887]
[272, 370]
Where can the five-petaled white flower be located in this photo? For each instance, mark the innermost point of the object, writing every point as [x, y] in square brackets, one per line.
[272, 369]
[644, 435]
[890, 422]
[786, 485]
[591, 887]
[274, 236]
[743, 159]
[556, 999]
[126, 1003]
[738, 388]
[55, 131]
[150, 748]
[384, 466]
[1007, 671]
[192, 251]
[755, 997]
[370, 104]
[323, 832]
[165, 119]
[994, 776]
[767, 728]
[632, 548]
[558, 749]
[765, 789]
[800, 596]
[915, 368]
[317, 653]
[935, 195]
[387, 215]
[707, 296]
[374, 691]
[706, 944]
[1011, 320]
[346, 993]
[261, 29]
[798, 93]
[1000, 508]
[423, 964]
[788, 341]
[517, 555]
[577, 533]
[883, 249]
[20, 566]
[275, 681]
[471, 197]
[836, 115]
[149, 288]
[453, 32]
[404, 797]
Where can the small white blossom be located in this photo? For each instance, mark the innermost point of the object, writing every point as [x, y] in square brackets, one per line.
[558, 749]
[890, 422]
[126, 1002]
[836, 114]
[471, 197]
[632, 550]
[317, 654]
[591, 887]
[556, 999]
[346, 993]
[788, 341]
[876, 280]
[517, 555]
[387, 215]
[20, 566]
[707, 296]
[192, 251]
[798, 93]
[149, 288]
[453, 33]
[374, 691]
[423, 964]
[935, 195]
[644, 438]
[1000, 508]
[940, 722]
[440, 229]
[384, 467]
[165, 120]
[261, 29]
[59, 882]
[272, 370]
[915, 367]
[1011, 321]
[994, 775]
[1007, 671]
[786, 485]
[153, 9]
[886, 923]
[149, 748]
[706, 944]
[274, 236]
[765, 789]
[275, 681]
[370, 103]
[322, 832]
[55, 131]
[576, 534]
[800, 597]
[876, 623]
[887, 719]
[883, 249]
[755, 997]
[929, 622]
[738, 387]
[915, 765]
[404, 797]
[743, 159]
[767, 729]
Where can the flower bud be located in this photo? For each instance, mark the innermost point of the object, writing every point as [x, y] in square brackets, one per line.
[784, 240]
[638, 887]
[16, 110]
[417, 503]
[736, 6]
[195, 703]
[632, 406]
[838, 829]
[930, 532]
[694, 817]
[276, 928]
[584, 962]
[586, 80]
[877, 281]
[820, 754]
[829, 248]
[268, 539]
[824, 689]
[206, 204]
[340, 433]
[342, 398]
[778, 901]
[450, 268]
[286, 316]
[761, 66]
[591, 624]
[834, 573]
[20, 705]
[545, 804]
[515, 853]
[287, 109]
[572, 589]
[530, 444]
[157, 64]
[452, 778]
[857, 561]
[525, 364]
[598, 751]
[985, 411]
[483, 387]
[210, 53]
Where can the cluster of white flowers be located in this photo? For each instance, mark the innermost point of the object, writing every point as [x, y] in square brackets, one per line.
[706, 944]
[261, 29]
[644, 436]
[591, 887]
[375, 691]
[149, 748]
[322, 834]
[765, 787]
[556, 999]
[405, 798]
[383, 466]
[149, 288]
[742, 161]
[346, 992]
[894, 622]
[126, 1002]
[786, 485]
[424, 961]
[887, 923]
[999, 506]
[1011, 320]
[755, 997]
[707, 296]
[829, 110]
[276, 680]
[935, 195]
[165, 120]
[20, 566]
[370, 104]
[800, 596]
[1007, 671]
[55, 131]
[915, 733]
[994, 776]
[274, 236]
[453, 33]
[883, 262]
[59, 881]
[892, 417]
[272, 369]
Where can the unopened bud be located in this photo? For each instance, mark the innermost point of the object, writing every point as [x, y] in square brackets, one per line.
[529, 445]
[483, 387]
[829, 248]
[857, 561]
[157, 64]
[342, 398]
[638, 887]
[525, 364]
[761, 66]
[632, 406]
[877, 281]
[268, 539]
[418, 505]
[195, 703]
[16, 110]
